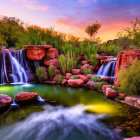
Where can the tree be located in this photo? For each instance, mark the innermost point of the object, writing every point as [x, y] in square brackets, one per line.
[92, 30]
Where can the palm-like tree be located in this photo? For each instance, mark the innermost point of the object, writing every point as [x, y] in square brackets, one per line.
[91, 30]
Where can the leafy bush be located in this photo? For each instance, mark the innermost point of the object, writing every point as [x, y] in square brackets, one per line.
[41, 73]
[51, 72]
[99, 85]
[68, 62]
[96, 78]
[129, 79]
[87, 71]
[60, 78]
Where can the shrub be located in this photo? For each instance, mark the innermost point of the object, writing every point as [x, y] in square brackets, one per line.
[93, 59]
[99, 85]
[41, 73]
[51, 72]
[68, 62]
[74, 77]
[87, 71]
[60, 78]
[129, 79]
[96, 78]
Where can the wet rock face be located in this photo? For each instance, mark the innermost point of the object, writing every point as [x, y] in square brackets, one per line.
[52, 53]
[5, 101]
[75, 82]
[25, 96]
[36, 54]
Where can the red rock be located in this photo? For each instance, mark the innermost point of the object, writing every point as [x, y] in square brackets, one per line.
[89, 76]
[110, 93]
[64, 82]
[76, 83]
[52, 62]
[82, 57]
[35, 47]
[104, 87]
[124, 59]
[83, 77]
[107, 79]
[122, 95]
[57, 71]
[68, 75]
[138, 102]
[85, 66]
[52, 53]
[37, 54]
[91, 84]
[84, 62]
[76, 71]
[5, 101]
[25, 96]
[130, 100]
[133, 138]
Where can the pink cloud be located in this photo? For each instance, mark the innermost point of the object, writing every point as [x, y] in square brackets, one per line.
[32, 4]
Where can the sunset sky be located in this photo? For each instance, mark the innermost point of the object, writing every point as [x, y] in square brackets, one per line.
[72, 16]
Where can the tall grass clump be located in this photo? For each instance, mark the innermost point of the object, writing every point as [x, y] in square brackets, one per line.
[129, 78]
[51, 72]
[41, 73]
[67, 62]
[87, 49]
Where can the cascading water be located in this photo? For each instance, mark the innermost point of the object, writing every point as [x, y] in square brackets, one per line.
[13, 67]
[59, 123]
[107, 70]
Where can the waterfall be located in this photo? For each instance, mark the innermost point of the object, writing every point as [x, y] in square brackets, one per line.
[14, 67]
[108, 70]
[4, 76]
[18, 72]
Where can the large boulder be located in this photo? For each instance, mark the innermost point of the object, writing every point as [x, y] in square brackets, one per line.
[25, 96]
[104, 87]
[131, 100]
[5, 101]
[52, 53]
[110, 93]
[52, 62]
[36, 52]
[91, 84]
[68, 76]
[124, 58]
[83, 77]
[85, 66]
[76, 71]
[76, 83]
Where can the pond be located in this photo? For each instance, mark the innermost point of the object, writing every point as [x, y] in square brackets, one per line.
[68, 114]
